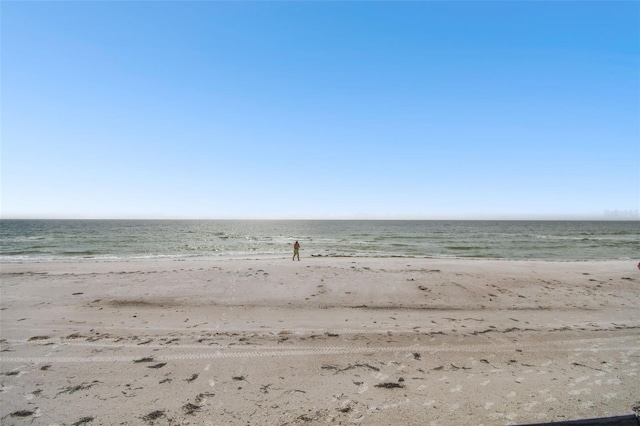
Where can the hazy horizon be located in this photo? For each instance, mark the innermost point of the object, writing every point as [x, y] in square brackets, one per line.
[629, 217]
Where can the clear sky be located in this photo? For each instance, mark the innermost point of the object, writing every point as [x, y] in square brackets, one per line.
[408, 110]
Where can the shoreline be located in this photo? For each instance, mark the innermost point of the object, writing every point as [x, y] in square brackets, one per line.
[346, 341]
[284, 256]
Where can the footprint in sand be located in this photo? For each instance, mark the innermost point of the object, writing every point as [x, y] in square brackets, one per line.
[587, 405]
[582, 379]
[380, 376]
[363, 388]
[511, 416]
[580, 391]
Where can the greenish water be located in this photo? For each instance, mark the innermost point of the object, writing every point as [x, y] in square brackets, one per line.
[38, 240]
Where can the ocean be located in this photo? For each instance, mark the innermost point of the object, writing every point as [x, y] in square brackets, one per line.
[50, 240]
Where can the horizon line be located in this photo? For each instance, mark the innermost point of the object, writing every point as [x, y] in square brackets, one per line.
[568, 218]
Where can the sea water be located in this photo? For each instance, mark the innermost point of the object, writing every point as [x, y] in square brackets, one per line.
[43, 240]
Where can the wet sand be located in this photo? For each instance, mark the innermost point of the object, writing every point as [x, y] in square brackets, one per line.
[320, 341]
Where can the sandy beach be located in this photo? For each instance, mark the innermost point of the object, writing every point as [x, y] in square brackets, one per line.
[268, 341]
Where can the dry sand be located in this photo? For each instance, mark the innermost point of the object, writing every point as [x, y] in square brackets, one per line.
[321, 341]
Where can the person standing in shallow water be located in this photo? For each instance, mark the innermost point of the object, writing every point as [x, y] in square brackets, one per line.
[296, 251]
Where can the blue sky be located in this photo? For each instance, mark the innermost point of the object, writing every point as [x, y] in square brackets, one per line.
[404, 110]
